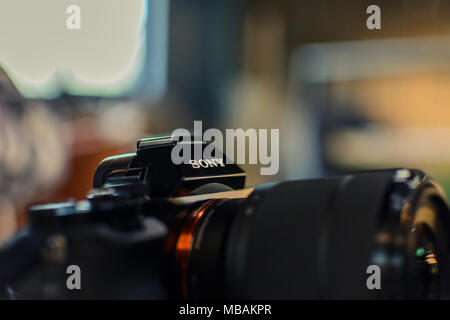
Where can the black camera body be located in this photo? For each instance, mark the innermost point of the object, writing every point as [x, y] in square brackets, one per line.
[110, 234]
[152, 229]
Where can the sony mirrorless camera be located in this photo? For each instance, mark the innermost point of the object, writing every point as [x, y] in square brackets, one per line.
[152, 229]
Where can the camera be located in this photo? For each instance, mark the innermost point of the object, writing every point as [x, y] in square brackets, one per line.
[152, 229]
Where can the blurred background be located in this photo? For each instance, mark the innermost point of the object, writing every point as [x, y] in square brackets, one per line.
[345, 98]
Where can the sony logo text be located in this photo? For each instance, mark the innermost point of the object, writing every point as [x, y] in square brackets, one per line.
[206, 163]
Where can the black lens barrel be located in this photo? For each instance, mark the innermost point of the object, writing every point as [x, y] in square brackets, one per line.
[316, 239]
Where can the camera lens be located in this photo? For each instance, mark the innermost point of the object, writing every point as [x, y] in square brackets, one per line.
[319, 238]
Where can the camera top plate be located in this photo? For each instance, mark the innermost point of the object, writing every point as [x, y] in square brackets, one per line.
[153, 164]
